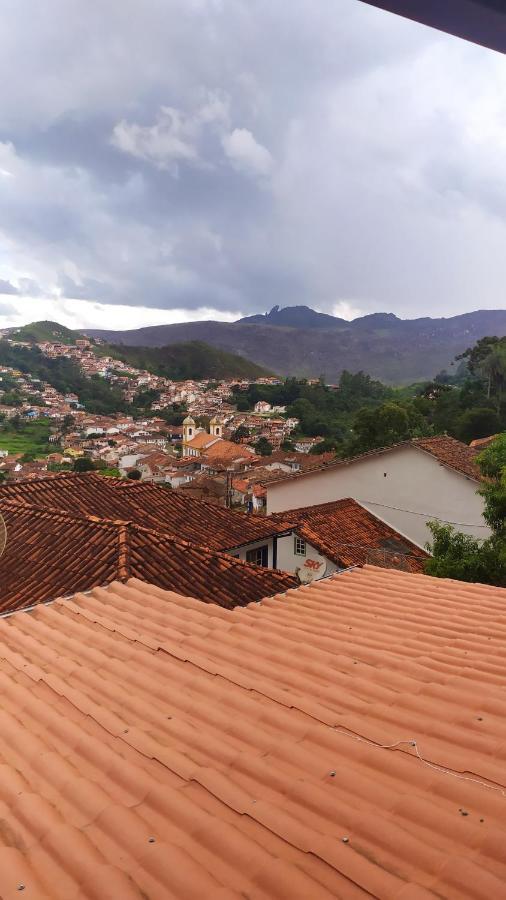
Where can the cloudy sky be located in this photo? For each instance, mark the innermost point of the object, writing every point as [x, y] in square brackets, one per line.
[168, 160]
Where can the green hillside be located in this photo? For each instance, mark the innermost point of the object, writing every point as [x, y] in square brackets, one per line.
[194, 359]
[38, 332]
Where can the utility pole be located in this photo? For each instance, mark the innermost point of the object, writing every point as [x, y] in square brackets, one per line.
[229, 474]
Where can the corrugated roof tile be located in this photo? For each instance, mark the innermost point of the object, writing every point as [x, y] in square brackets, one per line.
[153, 745]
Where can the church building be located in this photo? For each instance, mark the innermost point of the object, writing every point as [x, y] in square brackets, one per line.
[197, 442]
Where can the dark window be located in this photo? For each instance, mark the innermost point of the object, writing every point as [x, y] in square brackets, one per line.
[259, 556]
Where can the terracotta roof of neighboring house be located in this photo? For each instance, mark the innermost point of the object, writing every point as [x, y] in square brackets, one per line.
[481, 443]
[52, 554]
[305, 460]
[149, 505]
[350, 535]
[205, 487]
[342, 740]
[447, 450]
[450, 452]
[254, 480]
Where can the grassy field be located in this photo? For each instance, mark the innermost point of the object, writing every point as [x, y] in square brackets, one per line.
[32, 437]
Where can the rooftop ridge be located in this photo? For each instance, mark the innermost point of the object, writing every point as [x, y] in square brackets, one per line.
[127, 528]
[123, 553]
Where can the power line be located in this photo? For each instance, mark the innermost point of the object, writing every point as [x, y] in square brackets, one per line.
[429, 516]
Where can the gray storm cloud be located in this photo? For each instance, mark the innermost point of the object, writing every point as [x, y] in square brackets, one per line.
[230, 155]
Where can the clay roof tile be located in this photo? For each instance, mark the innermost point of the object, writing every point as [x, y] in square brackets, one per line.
[339, 740]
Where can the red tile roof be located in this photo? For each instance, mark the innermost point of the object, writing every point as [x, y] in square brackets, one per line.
[201, 440]
[349, 535]
[149, 505]
[52, 554]
[452, 453]
[344, 740]
[481, 443]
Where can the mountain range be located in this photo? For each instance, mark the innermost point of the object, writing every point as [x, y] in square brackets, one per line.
[299, 341]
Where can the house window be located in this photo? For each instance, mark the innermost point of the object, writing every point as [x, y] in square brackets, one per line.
[299, 546]
[259, 556]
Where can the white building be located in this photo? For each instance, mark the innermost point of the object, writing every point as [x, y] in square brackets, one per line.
[406, 486]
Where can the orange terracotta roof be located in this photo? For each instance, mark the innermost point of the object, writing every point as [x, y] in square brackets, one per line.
[52, 554]
[452, 453]
[350, 535]
[228, 450]
[343, 740]
[481, 443]
[201, 440]
[149, 505]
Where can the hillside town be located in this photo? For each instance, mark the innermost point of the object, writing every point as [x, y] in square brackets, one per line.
[161, 452]
[253, 450]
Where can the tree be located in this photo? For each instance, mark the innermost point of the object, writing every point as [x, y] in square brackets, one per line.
[287, 445]
[134, 475]
[494, 368]
[380, 427]
[492, 463]
[326, 446]
[464, 557]
[263, 447]
[461, 556]
[239, 434]
[487, 359]
[477, 422]
[83, 464]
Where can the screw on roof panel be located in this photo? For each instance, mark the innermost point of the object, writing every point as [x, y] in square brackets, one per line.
[345, 840]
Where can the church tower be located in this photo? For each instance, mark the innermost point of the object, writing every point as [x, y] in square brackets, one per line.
[215, 428]
[188, 429]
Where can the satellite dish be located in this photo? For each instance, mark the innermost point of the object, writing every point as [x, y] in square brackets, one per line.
[3, 534]
[312, 570]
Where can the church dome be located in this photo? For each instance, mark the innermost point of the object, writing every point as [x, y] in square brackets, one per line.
[188, 421]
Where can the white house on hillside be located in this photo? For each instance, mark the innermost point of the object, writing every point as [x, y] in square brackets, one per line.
[405, 485]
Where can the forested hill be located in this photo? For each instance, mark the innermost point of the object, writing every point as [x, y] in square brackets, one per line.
[40, 332]
[396, 351]
[193, 359]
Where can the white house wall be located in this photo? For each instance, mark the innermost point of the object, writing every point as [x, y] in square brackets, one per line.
[406, 478]
[289, 562]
